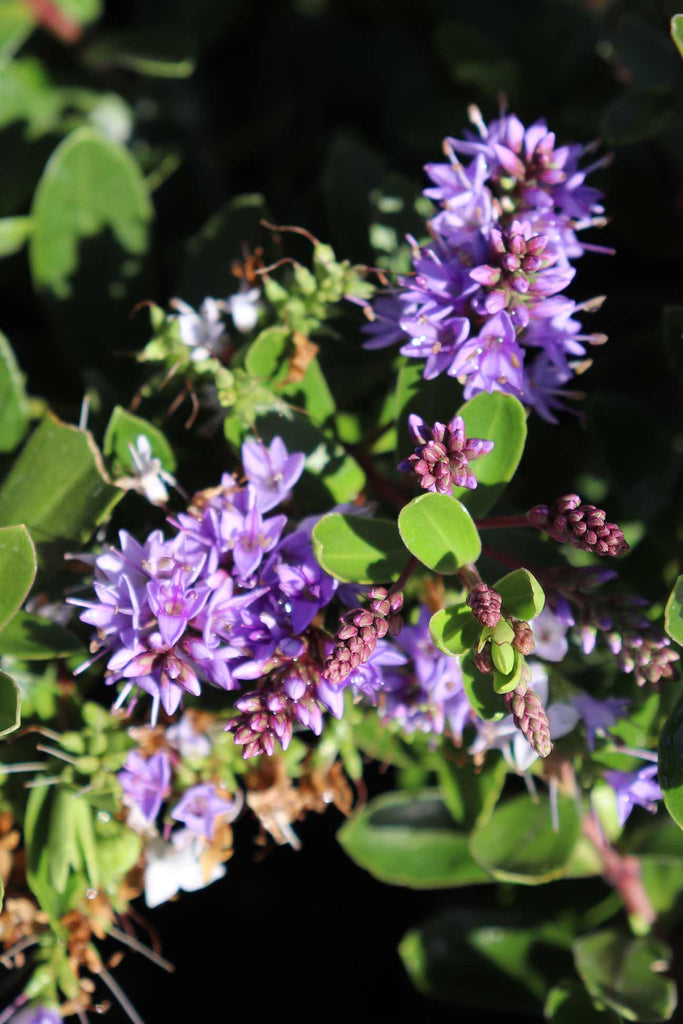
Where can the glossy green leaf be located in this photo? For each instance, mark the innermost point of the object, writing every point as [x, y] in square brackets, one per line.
[673, 614]
[470, 792]
[677, 32]
[17, 570]
[454, 630]
[14, 410]
[267, 356]
[626, 974]
[58, 488]
[569, 1003]
[489, 959]
[14, 234]
[670, 774]
[10, 705]
[123, 431]
[522, 594]
[90, 184]
[34, 638]
[507, 667]
[439, 531]
[355, 549]
[484, 700]
[518, 844]
[411, 839]
[499, 418]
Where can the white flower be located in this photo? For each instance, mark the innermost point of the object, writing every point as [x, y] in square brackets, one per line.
[176, 865]
[149, 477]
[550, 636]
[203, 332]
[244, 308]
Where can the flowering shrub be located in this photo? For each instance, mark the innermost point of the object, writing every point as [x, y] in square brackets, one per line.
[299, 545]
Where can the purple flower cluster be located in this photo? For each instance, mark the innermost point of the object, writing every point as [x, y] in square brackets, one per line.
[484, 304]
[226, 600]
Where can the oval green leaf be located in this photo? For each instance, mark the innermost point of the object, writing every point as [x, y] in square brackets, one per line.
[454, 630]
[484, 701]
[626, 974]
[439, 531]
[411, 839]
[670, 774]
[499, 418]
[673, 613]
[518, 844]
[122, 433]
[17, 570]
[14, 415]
[354, 549]
[522, 594]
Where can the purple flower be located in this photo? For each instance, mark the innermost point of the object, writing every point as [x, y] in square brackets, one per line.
[304, 587]
[271, 471]
[366, 680]
[491, 360]
[550, 635]
[200, 806]
[145, 783]
[598, 715]
[633, 788]
[36, 1014]
[443, 454]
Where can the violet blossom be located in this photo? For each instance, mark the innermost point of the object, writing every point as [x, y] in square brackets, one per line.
[145, 783]
[200, 806]
[634, 789]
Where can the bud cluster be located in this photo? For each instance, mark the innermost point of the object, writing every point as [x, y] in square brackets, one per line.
[267, 716]
[359, 631]
[584, 526]
[485, 603]
[529, 716]
[443, 453]
[524, 636]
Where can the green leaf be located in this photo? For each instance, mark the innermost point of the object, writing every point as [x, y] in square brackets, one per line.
[662, 877]
[58, 488]
[10, 705]
[90, 184]
[267, 356]
[439, 531]
[670, 774]
[156, 53]
[84, 837]
[14, 411]
[626, 974]
[638, 114]
[39, 852]
[431, 399]
[17, 570]
[677, 32]
[470, 792]
[123, 431]
[33, 638]
[454, 630]
[522, 594]
[569, 1003]
[507, 667]
[499, 418]
[355, 549]
[14, 234]
[484, 700]
[517, 843]
[485, 958]
[411, 840]
[673, 613]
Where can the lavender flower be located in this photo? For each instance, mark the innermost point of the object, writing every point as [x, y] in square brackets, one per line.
[37, 1014]
[443, 454]
[598, 715]
[145, 783]
[483, 304]
[634, 788]
[271, 471]
[550, 635]
[200, 806]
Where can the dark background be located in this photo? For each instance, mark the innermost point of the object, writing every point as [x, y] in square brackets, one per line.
[314, 103]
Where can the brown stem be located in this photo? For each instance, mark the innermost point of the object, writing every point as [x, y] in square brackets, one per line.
[621, 871]
[405, 575]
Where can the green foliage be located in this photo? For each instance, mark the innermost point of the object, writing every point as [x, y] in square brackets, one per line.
[10, 705]
[470, 793]
[90, 184]
[58, 488]
[673, 613]
[34, 638]
[411, 840]
[355, 549]
[626, 974]
[122, 432]
[454, 630]
[484, 700]
[439, 532]
[518, 843]
[522, 594]
[569, 1003]
[488, 959]
[499, 418]
[677, 32]
[14, 414]
[670, 772]
[17, 570]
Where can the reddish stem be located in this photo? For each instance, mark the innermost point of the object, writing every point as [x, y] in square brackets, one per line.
[501, 522]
